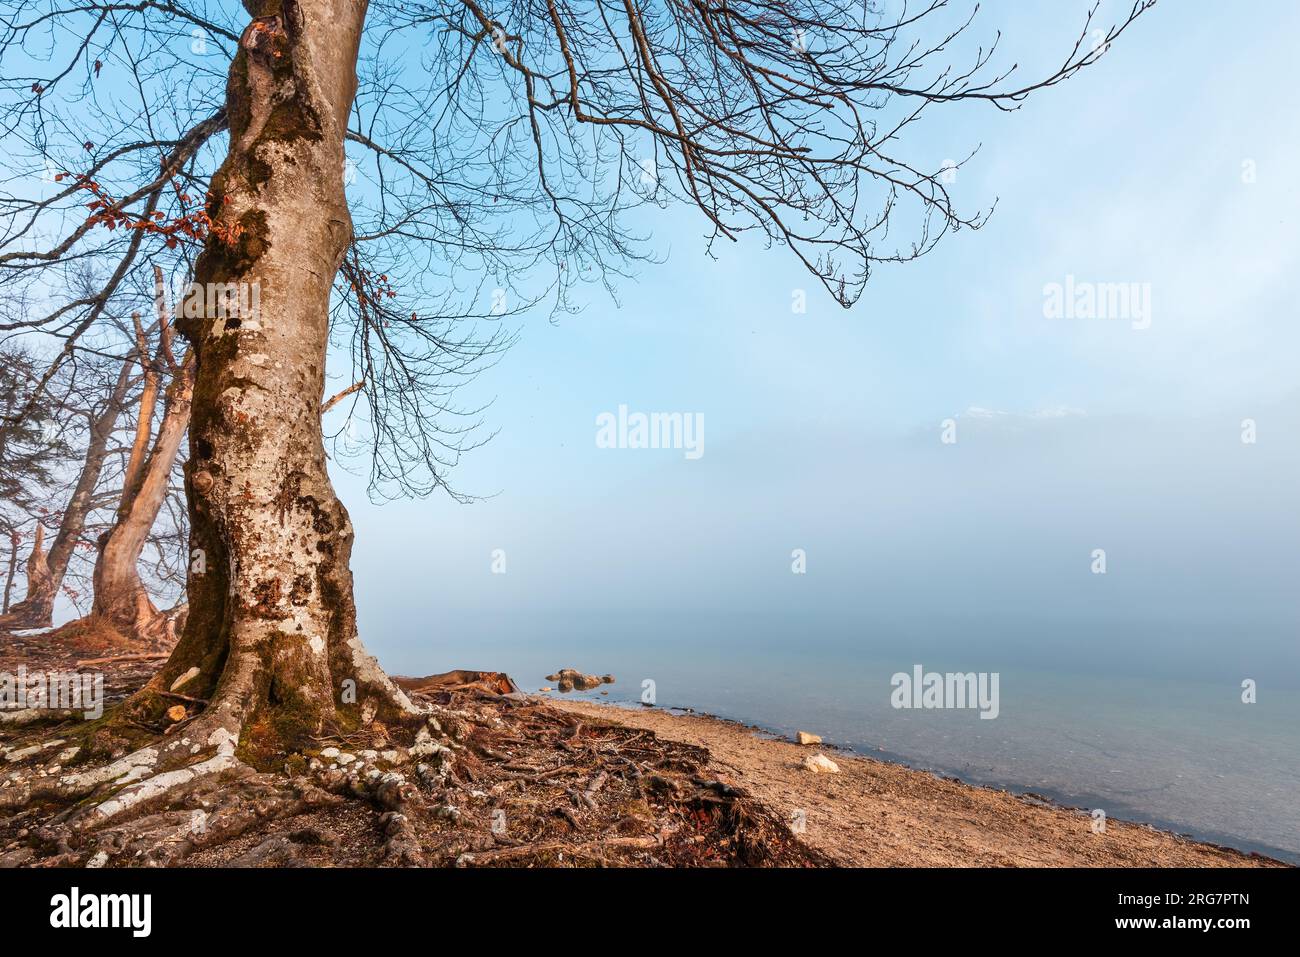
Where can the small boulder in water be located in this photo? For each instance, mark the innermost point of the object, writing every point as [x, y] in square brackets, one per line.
[569, 679]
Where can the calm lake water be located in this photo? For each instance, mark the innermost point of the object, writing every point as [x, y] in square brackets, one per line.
[1144, 733]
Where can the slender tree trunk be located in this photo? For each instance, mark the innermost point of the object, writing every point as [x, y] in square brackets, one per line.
[36, 610]
[14, 542]
[144, 419]
[272, 624]
[120, 596]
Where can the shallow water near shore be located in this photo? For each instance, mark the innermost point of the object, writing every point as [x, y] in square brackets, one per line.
[1177, 749]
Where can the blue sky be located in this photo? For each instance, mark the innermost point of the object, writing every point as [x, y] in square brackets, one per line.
[822, 429]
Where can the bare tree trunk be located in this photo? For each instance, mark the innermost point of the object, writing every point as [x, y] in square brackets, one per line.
[144, 419]
[36, 610]
[272, 624]
[39, 580]
[120, 596]
[14, 542]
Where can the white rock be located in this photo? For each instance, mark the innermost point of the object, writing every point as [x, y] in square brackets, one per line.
[820, 764]
[185, 678]
[804, 737]
[330, 753]
[424, 749]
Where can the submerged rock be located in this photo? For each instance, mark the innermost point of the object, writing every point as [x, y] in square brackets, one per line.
[569, 679]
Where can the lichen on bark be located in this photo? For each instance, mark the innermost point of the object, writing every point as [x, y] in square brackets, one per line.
[272, 623]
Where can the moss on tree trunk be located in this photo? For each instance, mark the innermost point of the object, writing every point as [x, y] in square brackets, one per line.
[272, 623]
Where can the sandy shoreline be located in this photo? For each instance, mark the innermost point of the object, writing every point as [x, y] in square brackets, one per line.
[879, 814]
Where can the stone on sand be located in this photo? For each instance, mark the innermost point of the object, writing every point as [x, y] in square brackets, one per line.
[820, 764]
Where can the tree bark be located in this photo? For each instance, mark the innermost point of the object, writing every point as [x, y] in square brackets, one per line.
[39, 579]
[272, 624]
[14, 542]
[120, 596]
[36, 610]
[144, 419]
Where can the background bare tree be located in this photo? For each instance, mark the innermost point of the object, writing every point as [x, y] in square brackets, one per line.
[120, 595]
[36, 453]
[66, 471]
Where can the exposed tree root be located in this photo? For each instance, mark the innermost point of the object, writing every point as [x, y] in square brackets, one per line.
[26, 716]
[116, 659]
[474, 778]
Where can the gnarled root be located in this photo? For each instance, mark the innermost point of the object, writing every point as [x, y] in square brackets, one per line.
[401, 800]
[203, 810]
[25, 716]
[139, 776]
